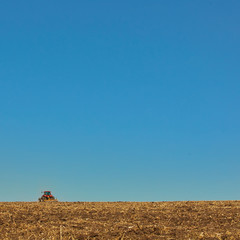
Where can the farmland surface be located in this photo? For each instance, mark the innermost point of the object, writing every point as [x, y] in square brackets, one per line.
[120, 220]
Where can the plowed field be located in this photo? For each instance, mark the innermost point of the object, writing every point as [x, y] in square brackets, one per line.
[120, 220]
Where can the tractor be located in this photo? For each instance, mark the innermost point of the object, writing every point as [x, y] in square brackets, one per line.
[47, 196]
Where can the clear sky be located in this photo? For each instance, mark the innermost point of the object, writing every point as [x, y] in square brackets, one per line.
[120, 100]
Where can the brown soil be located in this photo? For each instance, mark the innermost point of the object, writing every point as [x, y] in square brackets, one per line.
[120, 220]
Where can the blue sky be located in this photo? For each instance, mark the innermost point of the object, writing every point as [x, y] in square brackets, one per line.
[120, 100]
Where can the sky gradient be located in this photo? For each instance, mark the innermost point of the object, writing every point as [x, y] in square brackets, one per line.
[120, 100]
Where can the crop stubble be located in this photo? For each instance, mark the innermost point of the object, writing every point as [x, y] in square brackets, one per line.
[120, 220]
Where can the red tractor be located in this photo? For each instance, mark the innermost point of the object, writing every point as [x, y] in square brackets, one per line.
[47, 196]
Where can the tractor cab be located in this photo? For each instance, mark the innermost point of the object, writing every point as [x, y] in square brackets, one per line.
[47, 193]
